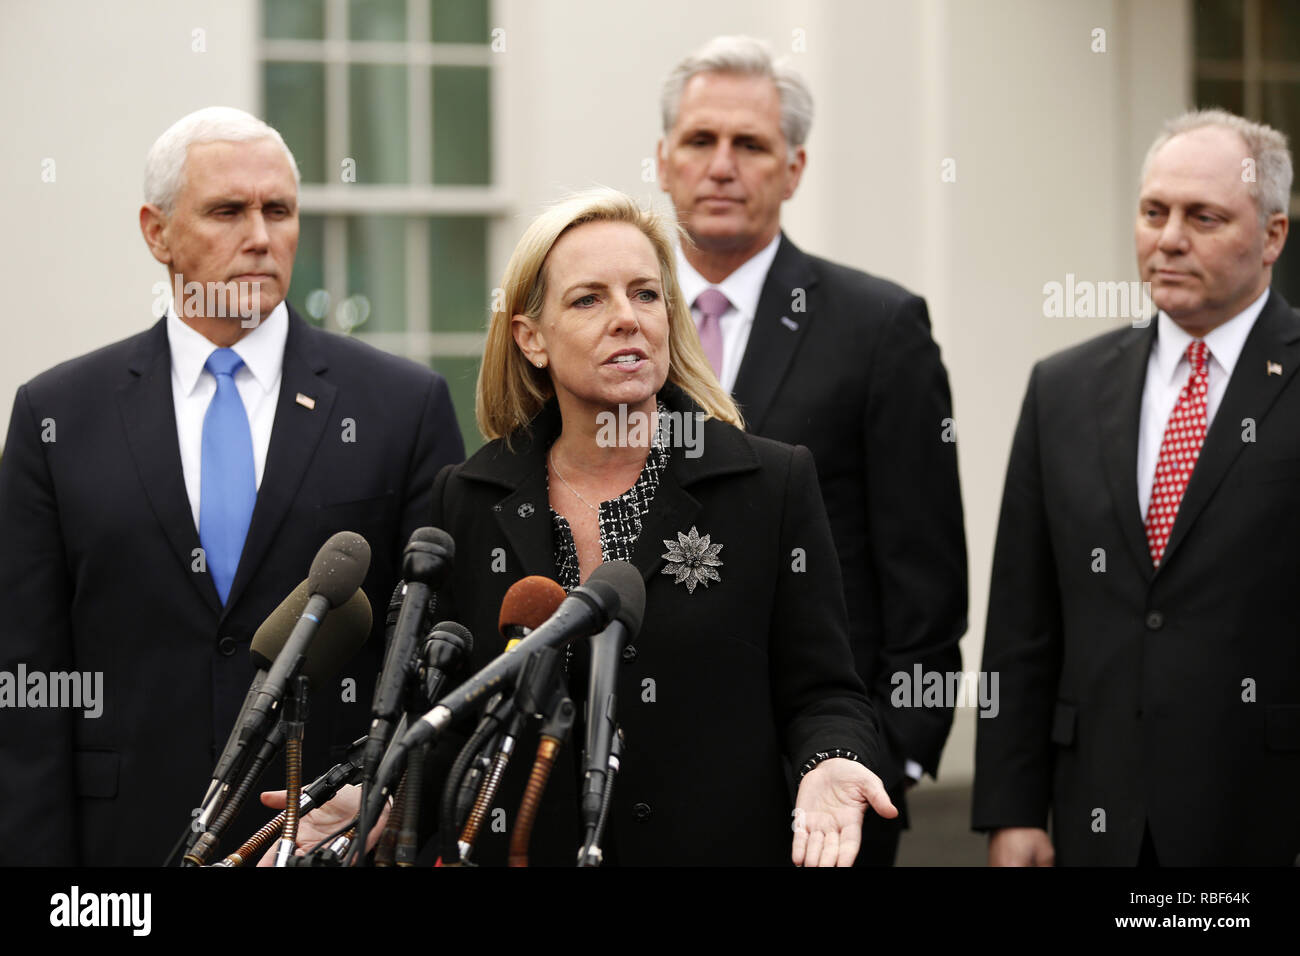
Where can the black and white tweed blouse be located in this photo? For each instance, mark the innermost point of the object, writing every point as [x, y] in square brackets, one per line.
[619, 518]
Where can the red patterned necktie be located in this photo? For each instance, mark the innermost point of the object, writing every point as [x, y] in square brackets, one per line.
[1184, 436]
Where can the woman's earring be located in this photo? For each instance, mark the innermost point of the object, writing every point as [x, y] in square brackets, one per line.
[541, 363]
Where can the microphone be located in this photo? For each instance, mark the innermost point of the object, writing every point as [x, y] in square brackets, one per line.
[426, 561]
[337, 573]
[602, 698]
[448, 646]
[279, 647]
[341, 635]
[586, 610]
[527, 605]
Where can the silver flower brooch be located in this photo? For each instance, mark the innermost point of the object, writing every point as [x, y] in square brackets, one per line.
[692, 560]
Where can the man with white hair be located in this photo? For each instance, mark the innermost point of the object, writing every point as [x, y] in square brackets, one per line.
[1142, 609]
[159, 497]
[821, 355]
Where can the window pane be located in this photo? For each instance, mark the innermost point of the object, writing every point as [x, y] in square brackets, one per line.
[458, 286]
[295, 105]
[1225, 93]
[459, 21]
[309, 269]
[376, 274]
[378, 136]
[1219, 34]
[1280, 30]
[461, 126]
[1281, 108]
[1286, 271]
[377, 19]
[293, 19]
[462, 376]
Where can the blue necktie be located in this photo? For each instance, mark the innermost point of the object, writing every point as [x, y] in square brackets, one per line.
[229, 482]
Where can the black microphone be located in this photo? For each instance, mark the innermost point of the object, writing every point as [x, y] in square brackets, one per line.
[586, 610]
[448, 646]
[426, 561]
[602, 697]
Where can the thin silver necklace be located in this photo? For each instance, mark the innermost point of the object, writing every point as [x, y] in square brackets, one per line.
[551, 458]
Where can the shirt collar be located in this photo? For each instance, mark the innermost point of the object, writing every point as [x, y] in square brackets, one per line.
[742, 288]
[1225, 341]
[262, 349]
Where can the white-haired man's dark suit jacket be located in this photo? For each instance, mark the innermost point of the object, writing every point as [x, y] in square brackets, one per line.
[97, 574]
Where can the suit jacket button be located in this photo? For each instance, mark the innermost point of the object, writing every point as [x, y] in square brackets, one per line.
[1155, 621]
[227, 646]
[629, 653]
[642, 811]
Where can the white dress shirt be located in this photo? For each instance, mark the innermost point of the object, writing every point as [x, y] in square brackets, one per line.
[1167, 372]
[258, 382]
[743, 289]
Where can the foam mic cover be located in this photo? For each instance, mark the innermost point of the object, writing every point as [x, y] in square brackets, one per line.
[528, 604]
[339, 567]
[455, 632]
[341, 634]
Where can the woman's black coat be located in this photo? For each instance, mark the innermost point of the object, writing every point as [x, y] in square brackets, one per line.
[719, 685]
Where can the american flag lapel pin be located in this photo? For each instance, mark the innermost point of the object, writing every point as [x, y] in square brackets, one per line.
[1274, 368]
[306, 401]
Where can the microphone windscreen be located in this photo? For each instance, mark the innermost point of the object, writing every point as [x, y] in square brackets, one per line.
[459, 631]
[277, 627]
[341, 634]
[437, 537]
[339, 567]
[529, 603]
[626, 581]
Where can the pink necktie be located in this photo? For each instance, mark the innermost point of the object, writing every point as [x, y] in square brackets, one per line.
[712, 304]
[1184, 436]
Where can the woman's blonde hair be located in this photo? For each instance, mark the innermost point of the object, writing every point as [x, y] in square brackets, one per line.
[510, 390]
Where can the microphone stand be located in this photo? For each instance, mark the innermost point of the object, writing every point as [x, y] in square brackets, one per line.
[319, 791]
[544, 693]
[295, 720]
[591, 853]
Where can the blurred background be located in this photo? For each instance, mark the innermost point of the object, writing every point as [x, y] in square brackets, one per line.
[972, 150]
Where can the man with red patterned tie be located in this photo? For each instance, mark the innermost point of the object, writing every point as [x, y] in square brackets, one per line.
[1141, 612]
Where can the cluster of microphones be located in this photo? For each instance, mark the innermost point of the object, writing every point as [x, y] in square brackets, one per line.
[307, 640]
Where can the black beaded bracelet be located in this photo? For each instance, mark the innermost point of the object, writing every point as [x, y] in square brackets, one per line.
[821, 755]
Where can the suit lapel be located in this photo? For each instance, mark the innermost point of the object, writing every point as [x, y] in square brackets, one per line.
[776, 332]
[675, 509]
[295, 434]
[149, 418]
[1119, 415]
[524, 517]
[1251, 392]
